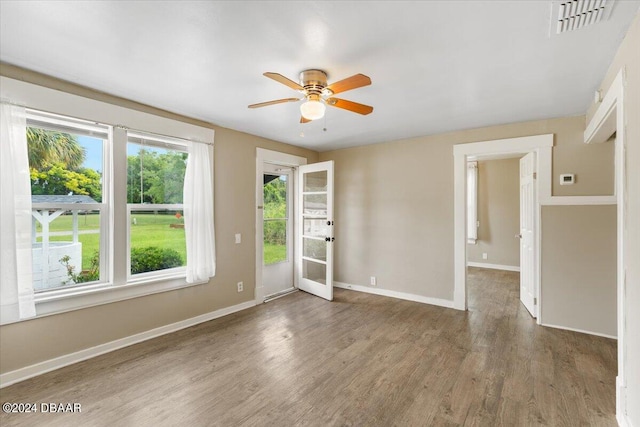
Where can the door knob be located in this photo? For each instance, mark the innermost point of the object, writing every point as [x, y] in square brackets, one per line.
[518, 236]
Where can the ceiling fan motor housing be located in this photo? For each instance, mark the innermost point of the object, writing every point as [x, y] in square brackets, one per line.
[314, 83]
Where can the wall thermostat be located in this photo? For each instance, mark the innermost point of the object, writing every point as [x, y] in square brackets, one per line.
[567, 179]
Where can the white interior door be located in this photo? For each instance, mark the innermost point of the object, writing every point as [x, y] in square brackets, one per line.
[527, 233]
[277, 226]
[315, 229]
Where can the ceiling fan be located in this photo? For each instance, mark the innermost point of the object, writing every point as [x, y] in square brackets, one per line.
[313, 85]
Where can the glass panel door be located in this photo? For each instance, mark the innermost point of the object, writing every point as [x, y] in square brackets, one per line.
[315, 222]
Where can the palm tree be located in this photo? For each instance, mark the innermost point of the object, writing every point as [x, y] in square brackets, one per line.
[48, 147]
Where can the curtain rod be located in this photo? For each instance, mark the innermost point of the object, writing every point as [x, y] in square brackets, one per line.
[126, 128]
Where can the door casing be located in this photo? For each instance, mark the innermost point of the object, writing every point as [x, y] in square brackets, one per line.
[282, 159]
[501, 148]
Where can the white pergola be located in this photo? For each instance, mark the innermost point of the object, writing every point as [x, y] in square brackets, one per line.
[45, 210]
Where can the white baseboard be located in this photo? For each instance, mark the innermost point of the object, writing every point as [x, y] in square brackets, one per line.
[27, 372]
[582, 331]
[493, 266]
[395, 294]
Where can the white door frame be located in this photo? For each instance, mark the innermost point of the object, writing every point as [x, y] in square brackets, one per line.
[283, 159]
[540, 144]
[609, 118]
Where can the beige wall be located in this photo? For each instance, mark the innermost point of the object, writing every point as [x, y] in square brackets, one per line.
[394, 202]
[33, 341]
[578, 273]
[498, 213]
[628, 56]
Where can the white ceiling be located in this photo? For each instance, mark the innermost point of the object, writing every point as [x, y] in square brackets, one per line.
[436, 66]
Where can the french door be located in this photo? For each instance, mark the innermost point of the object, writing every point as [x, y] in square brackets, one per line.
[315, 229]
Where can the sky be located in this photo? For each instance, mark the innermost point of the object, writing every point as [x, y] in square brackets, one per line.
[93, 151]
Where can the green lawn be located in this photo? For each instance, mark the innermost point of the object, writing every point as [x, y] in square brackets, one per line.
[274, 253]
[65, 223]
[150, 230]
[155, 230]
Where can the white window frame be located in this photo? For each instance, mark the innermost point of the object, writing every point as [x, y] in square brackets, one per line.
[160, 142]
[59, 123]
[120, 119]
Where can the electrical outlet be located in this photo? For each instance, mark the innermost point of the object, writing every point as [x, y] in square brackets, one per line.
[373, 281]
[485, 255]
[238, 238]
[240, 286]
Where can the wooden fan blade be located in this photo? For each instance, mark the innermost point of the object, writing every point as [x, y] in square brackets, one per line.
[285, 81]
[303, 120]
[277, 101]
[350, 105]
[349, 83]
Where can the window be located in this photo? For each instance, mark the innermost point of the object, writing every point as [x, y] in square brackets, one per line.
[69, 204]
[76, 236]
[155, 181]
[67, 220]
[69, 187]
[276, 217]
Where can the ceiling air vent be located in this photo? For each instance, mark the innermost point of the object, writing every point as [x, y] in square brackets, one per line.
[575, 14]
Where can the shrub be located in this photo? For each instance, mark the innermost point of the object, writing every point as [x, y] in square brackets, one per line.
[90, 275]
[153, 258]
[275, 232]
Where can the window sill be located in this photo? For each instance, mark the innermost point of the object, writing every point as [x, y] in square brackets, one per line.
[65, 300]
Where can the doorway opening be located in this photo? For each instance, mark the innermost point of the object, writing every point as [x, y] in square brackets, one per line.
[539, 150]
[276, 250]
[500, 214]
[277, 230]
[294, 226]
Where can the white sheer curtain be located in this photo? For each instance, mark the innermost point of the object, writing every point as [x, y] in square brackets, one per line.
[198, 213]
[16, 284]
[472, 202]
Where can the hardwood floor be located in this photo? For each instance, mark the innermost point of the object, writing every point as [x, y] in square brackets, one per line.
[362, 360]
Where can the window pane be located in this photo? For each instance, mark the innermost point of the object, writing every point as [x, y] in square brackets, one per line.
[66, 160]
[316, 249]
[66, 167]
[315, 227]
[314, 204]
[66, 248]
[157, 240]
[155, 174]
[315, 181]
[314, 271]
[275, 196]
[275, 241]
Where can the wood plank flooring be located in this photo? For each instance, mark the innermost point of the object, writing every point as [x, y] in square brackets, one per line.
[362, 360]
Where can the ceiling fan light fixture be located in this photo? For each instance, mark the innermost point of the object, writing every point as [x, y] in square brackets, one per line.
[312, 110]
